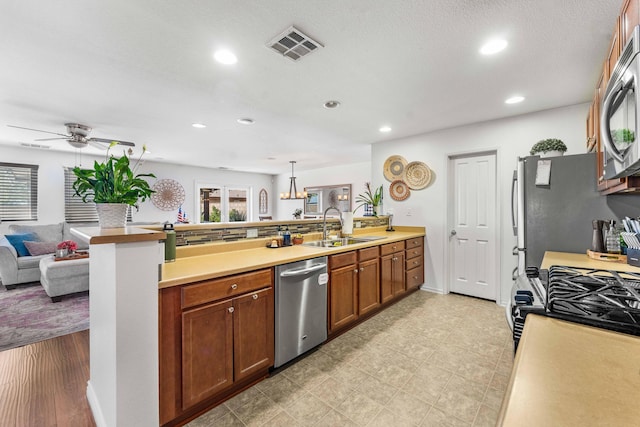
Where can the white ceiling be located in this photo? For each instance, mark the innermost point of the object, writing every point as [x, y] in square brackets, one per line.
[143, 71]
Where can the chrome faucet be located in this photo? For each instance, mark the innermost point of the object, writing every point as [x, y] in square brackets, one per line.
[324, 221]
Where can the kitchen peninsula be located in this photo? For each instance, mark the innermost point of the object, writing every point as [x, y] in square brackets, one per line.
[231, 285]
[570, 370]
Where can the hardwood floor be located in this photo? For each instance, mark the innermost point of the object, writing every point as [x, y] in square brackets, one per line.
[44, 384]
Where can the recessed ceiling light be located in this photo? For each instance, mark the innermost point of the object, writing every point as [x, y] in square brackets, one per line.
[199, 125]
[514, 99]
[332, 104]
[246, 121]
[493, 46]
[225, 57]
[385, 129]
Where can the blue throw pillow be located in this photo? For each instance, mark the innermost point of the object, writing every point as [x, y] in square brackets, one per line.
[17, 240]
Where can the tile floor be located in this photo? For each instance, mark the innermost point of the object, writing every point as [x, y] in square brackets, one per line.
[429, 360]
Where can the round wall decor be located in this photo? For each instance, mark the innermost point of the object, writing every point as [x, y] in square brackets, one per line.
[168, 196]
[394, 168]
[417, 175]
[399, 190]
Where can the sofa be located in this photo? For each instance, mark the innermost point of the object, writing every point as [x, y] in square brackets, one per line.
[14, 269]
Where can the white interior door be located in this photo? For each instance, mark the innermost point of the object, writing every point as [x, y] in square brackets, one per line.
[474, 257]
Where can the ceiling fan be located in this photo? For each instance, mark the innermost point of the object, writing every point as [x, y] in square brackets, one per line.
[78, 136]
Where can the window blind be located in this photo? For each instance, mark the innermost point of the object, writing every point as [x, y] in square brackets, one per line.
[75, 210]
[18, 192]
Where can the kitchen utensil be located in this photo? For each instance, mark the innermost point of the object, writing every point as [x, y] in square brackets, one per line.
[597, 241]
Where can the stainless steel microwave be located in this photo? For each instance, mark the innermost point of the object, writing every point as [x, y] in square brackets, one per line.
[619, 114]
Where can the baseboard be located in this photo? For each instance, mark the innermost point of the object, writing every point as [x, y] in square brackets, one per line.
[95, 406]
[434, 290]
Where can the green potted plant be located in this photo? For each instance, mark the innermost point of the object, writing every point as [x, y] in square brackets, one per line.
[548, 148]
[113, 186]
[370, 197]
[622, 137]
[297, 213]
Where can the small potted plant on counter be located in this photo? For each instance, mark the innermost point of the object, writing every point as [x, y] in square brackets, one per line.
[548, 148]
[371, 198]
[113, 186]
[297, 213]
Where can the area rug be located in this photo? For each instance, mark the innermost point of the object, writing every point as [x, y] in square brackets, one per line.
[27, 315]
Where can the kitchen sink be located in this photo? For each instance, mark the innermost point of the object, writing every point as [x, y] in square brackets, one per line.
[341, 242]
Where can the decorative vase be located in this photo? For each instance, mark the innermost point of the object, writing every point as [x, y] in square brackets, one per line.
[112, 215]
[61, 253]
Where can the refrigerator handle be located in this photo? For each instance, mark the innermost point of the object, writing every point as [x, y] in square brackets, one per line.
[514, 203]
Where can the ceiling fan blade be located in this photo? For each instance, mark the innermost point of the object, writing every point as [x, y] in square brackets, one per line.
[38, 130]
[109, 141]
[95, 144]
[50, 139]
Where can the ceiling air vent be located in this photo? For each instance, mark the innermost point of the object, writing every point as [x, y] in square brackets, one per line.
[293, 44]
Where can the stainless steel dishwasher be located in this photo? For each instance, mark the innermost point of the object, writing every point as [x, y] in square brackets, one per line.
[301, 308]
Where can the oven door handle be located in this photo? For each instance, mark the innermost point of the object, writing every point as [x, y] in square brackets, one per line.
[615, 96]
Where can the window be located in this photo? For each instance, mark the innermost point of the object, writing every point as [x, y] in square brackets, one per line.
[75, 210]
[223, 204]
[18, 192]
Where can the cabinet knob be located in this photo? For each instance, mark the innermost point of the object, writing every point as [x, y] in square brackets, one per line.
[394, 247]
[415, 262]
[355, 271]
[231, 309]
[255, 296]
[234, 286]
[394, 259]
[415, 277]
[361, 268]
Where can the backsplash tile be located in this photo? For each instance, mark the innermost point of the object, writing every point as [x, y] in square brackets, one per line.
[232, 234]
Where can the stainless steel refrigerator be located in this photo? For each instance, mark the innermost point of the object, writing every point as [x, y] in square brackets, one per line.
[558, 216]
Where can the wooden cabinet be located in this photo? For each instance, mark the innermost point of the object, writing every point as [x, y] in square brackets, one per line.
[216, 338]
[392, 277]
[368, 280]
[343, 290]
[629, 17]
[414, 269]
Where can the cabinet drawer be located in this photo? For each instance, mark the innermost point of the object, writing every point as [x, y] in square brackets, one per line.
[390, 248]
[415, 243]
[415, 277]
[414, 262]
[368, 253]
[414, 252]
[211, 290]
[340, 260]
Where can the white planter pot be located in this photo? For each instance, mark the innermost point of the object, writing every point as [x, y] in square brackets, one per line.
[112, 215]
[551, 154]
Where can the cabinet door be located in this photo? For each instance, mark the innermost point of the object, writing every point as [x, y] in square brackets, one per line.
[398, 274]
[207, 351]
[386, 278]
[253, 333]
[343, 293]
[368, 286]
[629, 18]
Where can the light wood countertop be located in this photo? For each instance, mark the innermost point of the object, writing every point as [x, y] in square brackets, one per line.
[582, 260]
[566, 374]
[97, 235]
[202, 267]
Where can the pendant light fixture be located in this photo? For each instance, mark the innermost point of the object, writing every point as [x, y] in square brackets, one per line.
[293, 193]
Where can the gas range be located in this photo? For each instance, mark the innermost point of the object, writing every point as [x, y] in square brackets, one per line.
[600, 298]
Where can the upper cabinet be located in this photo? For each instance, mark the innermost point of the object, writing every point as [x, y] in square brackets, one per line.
[625, 23]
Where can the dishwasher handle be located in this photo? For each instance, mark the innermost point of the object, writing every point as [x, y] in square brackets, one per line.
[302, 271]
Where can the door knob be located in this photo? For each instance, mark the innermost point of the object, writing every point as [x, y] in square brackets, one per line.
[454, 232]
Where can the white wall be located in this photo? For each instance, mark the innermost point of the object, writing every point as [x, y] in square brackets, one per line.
[51, 183]
[511, 137]
[355, 174]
